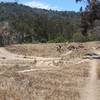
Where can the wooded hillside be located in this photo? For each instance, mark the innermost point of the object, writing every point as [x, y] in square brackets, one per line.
[22, 24]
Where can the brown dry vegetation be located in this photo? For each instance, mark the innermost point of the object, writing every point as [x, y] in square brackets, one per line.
[48, 50]
[61, 79]
[49, 84]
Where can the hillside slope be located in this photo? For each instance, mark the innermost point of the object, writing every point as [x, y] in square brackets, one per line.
[36, 25]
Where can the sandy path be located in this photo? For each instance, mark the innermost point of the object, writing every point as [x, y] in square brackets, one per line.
[5, 54]
[10, 56]
[91, 91]
[39, 61]
[52, 62]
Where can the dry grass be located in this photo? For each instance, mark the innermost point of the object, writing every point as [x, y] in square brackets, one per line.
[62, 81]
[56, 84]
[43, 50]
[48, 50]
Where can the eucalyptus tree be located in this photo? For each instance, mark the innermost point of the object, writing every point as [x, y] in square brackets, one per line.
[89, 15]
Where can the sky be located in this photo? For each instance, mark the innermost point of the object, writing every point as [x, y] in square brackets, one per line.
[61, 5]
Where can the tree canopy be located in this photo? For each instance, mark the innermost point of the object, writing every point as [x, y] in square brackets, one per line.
[33, 25]
[89, 15]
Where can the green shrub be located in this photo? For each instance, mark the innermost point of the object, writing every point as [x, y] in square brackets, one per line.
[78, 37]
[58, 39]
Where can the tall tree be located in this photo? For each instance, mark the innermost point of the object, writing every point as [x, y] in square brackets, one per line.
[91, 13]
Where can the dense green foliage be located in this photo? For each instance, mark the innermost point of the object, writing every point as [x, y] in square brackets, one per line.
[22, 24]
[39, 25]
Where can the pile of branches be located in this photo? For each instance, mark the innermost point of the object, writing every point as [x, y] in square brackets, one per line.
[90, 15]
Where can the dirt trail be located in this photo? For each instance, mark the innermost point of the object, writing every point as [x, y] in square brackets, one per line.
[91, 92]
[38, 61]
[5, 54]
[10, 56]
[41, 63]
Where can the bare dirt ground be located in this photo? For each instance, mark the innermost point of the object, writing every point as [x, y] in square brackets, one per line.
[47, 72]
